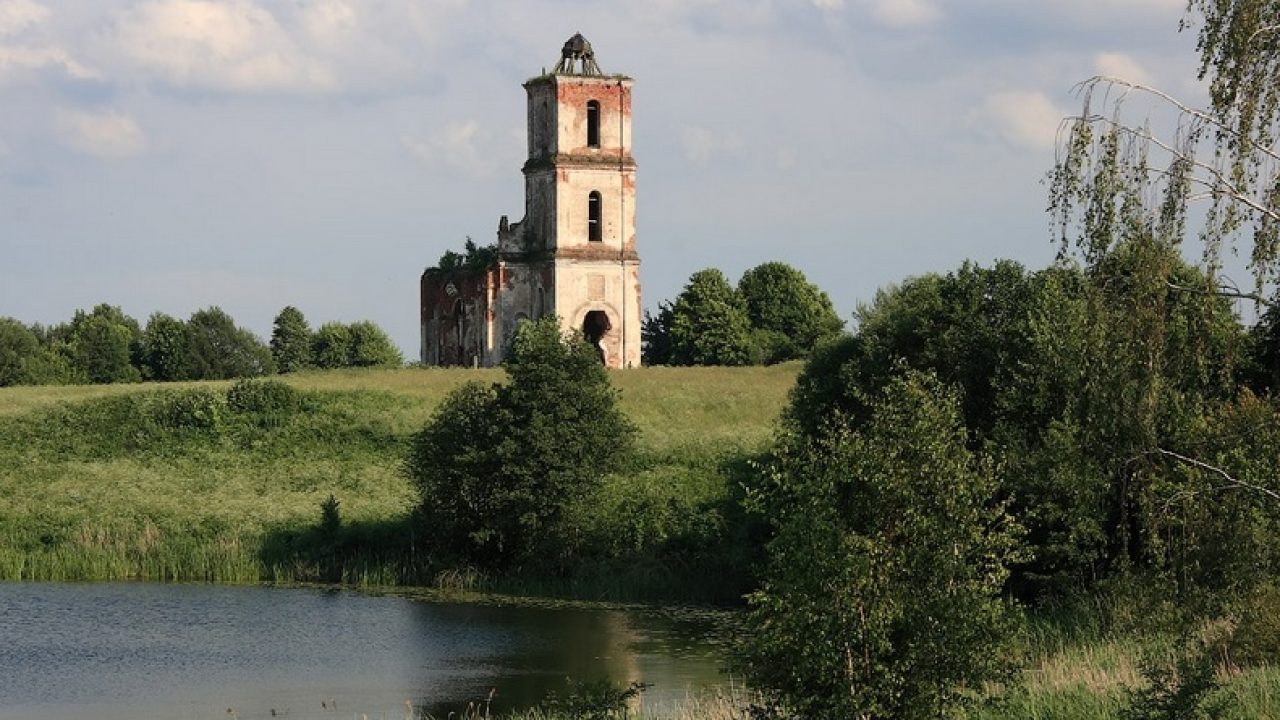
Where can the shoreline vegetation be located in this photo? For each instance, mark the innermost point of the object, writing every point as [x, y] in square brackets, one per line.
[207, 482]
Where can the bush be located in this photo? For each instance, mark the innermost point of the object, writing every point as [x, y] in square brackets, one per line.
[198, 409]
[1256, 640]
[267, 397]
[498, 465]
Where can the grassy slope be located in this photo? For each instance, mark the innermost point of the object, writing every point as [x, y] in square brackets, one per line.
[84, 503]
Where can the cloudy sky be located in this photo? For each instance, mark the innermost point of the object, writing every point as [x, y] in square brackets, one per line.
[175, 154]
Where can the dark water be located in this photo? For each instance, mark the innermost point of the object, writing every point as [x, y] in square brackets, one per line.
[130, 651]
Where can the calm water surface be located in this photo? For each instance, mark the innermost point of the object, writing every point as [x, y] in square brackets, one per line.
[134, 650]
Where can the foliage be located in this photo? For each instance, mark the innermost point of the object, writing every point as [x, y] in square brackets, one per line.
[291, 341]
[598, 700]
[790, 314]
[331, 345]
[474, 258]
[370, 347]
[218, 350]
[101, 344]
[1110, 163]
[655, 336]
[188, 409]
[330, 518]
[164, 348]
[880, 596]
[360, 344]
[1255, 641]
[498, 465]
[709, 324]
[267, 397]
[1181, 689]
[964, 327]
[24, 360]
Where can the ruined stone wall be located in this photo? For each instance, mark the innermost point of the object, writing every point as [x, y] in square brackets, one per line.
[455, 317]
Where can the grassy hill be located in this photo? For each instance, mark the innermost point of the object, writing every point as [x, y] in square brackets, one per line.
[135, 481]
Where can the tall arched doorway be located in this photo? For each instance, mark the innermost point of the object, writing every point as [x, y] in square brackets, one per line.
[594, 327]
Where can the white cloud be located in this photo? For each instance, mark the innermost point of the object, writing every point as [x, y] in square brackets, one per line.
[16, 59]
[18, 15]
[233, 46]
[105, 134]
[829, 5]
[1028, 119]
[329, 21]
[702, 144]
[1123, 66]
[904, 13]
[457, 145]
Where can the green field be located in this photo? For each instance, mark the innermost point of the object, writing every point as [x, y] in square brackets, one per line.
[99, 485]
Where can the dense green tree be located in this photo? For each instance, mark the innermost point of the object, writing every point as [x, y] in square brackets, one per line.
[498, 465]
[102, 350]
[880, 597]
[965, 327]
[291, 341]
[1260, 368]
[25, 360]
[371, 347]
[331, 346]
[790, 314]
[164, 348]
[655, 336]
[101, 345]
[709, 324]
[218, 350]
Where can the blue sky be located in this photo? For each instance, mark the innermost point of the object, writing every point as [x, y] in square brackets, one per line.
[175, 154]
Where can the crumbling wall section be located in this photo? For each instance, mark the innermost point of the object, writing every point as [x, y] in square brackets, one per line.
[456, 317]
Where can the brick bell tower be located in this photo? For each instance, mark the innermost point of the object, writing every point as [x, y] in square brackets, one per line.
[577, 241]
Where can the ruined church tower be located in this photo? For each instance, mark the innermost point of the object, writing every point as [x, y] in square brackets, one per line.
[574, 253]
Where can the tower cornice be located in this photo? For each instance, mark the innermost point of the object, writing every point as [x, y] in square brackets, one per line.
[578, 161]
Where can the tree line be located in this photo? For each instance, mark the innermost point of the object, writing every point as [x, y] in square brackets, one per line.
[773, 315]
[105, 345]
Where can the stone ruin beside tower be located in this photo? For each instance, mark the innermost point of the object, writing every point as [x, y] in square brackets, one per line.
[574, 252]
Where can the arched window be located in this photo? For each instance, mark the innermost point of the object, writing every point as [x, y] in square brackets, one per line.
[593, 124]
[593, 217]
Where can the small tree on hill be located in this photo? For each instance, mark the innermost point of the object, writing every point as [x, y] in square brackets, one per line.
[218, 350]
[497, 465]
[709, 324]
[789, 314]
[370, 347]
[291, 341]
[331, 346]
[655, 336]
[164, 348]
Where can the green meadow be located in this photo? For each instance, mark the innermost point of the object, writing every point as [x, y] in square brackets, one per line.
[135, 482]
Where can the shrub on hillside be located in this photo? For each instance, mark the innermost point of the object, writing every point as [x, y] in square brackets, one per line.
[188, 409]
[262, 396]
[497, 465]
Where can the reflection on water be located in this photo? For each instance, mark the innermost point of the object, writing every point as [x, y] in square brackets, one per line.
[128, 651]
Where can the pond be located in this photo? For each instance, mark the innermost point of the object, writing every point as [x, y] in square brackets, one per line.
[123, 651]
